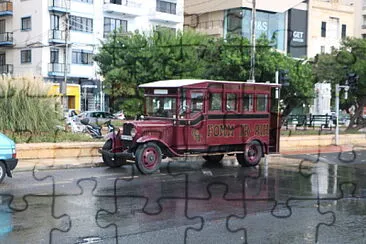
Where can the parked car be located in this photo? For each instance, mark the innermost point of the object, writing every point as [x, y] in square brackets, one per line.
[96, 117]
[120, 115]
[8, 160]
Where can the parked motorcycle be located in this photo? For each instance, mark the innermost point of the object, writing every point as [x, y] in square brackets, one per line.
[96, 130]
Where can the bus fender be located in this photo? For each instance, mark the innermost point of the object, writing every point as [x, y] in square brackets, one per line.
[164, 146]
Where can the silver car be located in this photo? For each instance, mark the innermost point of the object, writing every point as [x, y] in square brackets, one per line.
[96, 117]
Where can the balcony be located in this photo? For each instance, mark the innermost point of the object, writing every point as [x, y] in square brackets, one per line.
[61, 6]
[6, 39]
[57, 69]
[124, 7]
[363, 26]
[163, 15]
[6, 69]
[56, 36]
[6, 8]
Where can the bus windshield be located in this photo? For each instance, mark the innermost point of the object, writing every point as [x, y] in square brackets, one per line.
[160, 106]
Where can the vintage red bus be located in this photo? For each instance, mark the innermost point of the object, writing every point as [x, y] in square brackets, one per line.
[203, 117]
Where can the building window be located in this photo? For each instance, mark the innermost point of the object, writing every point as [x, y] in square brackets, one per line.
[54, 56]
[25, 56]
[81, 24]
[324, 29]
[344, 31]
[26, 23]
[55, 22]
[114, 24]
[363, 36]
[82, 57]
[166, 7]
[322, 49]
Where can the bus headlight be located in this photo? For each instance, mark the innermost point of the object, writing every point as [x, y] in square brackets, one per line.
[133, 132]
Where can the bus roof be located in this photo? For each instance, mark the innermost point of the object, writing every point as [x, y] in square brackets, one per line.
[187, 82]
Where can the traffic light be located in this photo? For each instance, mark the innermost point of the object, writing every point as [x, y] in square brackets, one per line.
[352, 80]
[283, 77]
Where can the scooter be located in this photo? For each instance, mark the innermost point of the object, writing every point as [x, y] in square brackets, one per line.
[95, 130]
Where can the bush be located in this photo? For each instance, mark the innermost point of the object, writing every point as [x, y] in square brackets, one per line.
[26, 106]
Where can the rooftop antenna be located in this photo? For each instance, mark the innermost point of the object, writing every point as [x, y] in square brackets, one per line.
[252, 55]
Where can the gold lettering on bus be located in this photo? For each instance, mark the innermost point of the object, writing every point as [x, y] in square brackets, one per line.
[220, 130]
[261, 130]
[245, 130]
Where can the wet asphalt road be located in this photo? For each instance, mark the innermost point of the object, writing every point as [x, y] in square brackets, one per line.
[300, 199]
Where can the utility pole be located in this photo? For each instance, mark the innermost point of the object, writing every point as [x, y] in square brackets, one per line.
[63, 83]
[337, 90]
[351, 82]
[252, 56]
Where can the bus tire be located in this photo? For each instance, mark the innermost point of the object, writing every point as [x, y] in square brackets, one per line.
[252, 154]
[112, 162]
[148, 157]
[213, 158]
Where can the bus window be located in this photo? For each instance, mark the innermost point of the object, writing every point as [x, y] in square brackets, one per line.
[248, 102]
[261, 105]
[215, 101]
[196, 102]
[231, 102]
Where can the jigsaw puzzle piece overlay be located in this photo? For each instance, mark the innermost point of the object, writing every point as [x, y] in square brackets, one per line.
[350, 213]
[15, 230]
[41, 186]
[133, 225]
[82, 209]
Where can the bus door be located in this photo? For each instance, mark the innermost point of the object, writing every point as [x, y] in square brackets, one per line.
[197, 125]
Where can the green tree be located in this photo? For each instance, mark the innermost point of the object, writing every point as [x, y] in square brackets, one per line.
[230, 60]
[127, 60]
[334, 67]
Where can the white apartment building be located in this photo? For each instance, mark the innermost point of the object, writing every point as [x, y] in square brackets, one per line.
[330, 21]
[34, 34]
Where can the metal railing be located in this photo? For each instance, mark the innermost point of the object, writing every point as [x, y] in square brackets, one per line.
[56, 35]
[57, 68]
[322, 121]
[166, 10]
[6, 69]
[6, 6]
[6, 37]
[127, 3]
[65, 4]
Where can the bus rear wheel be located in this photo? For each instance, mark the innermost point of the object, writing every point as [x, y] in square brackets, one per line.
[252, 154]
[213, 158]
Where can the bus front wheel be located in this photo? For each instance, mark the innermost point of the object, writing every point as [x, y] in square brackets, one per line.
[148, 157]
[252, 154]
